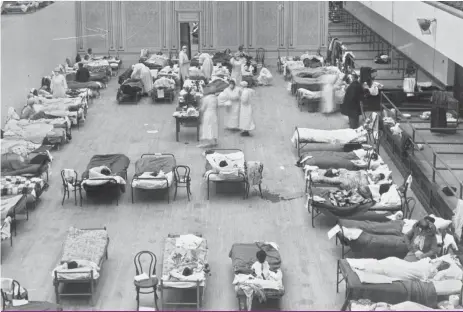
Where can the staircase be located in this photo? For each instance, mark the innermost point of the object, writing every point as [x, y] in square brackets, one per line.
[365, 44]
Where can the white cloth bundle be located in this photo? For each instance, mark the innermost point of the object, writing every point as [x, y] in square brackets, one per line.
[265, 77]
[409, 86]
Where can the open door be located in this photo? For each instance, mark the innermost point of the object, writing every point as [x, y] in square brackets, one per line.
[189, 37]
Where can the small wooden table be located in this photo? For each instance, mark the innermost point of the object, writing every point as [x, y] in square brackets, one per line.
[187, 122]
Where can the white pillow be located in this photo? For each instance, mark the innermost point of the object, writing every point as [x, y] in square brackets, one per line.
[447, 288]
[441, 224]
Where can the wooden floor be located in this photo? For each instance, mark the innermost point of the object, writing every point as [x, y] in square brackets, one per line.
[309, 258]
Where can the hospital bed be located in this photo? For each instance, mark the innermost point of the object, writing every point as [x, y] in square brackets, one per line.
[87, 247]
[356, 160]
[11, 206]
[378, 240]
[73, 108]
[243, 256]
[354, 204]
[44, 131]
[18, 185]
[154, 61]
[393, 292]
[233, 172]
[24, 158]
[164, 88]
[303, 137]
[163, 164]
[173, 268]
[118, 164]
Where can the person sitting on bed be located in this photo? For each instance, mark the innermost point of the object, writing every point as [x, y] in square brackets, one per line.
[28, 111]
[82, 74]
[261, 268]
[421, 240]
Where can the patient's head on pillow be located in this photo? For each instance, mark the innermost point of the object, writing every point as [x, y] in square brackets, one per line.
[155, 173]
[187, 272]
[72, 265]
[223, 163]
[105, 171]
[374, 156]
[443, 265]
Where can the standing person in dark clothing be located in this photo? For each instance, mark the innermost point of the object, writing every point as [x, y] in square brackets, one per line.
[351, 104]
[82, 74]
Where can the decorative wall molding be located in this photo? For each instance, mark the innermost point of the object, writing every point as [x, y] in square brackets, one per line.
[223, 24]
[188, 5]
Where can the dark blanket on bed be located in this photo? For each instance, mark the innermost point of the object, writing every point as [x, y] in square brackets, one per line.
[117, 163]
[13, 164]
[83, 85]
[243, 257]
[372, 227]
[396, 292]
[131, 87]
[331, 160]
[376, 246]
[166, 163]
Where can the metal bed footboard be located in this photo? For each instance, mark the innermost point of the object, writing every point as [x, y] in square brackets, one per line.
[200, 290]
[167, 188]
[91, 281]
[242, 176]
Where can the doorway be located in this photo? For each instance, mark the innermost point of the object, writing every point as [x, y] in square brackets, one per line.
[189, 36]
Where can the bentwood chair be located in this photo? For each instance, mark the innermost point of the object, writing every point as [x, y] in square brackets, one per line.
[12, 290]
[71, 183]
[146, 286]
[182, 179]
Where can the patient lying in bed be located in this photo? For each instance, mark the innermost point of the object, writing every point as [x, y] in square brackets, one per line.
[77, 269]
[101, 173]
[395, 269]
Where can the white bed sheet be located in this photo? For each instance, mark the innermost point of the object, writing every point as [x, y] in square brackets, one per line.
[154, 184]
[339, 136]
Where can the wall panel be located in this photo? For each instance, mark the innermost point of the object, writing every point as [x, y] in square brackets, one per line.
[226, 20]
[143, 25]
[95, 21]
[266, 24]
[306, 25]
[134, 25]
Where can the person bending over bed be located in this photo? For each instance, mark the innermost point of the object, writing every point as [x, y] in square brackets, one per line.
[421, 240]
[82, 74]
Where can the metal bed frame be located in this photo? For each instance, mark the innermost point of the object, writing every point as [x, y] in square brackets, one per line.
[242, 179]
[341, 276]
[315, 211]
[110, 183]
[92, 282]
[200, 290]
[167, 189]
[370, 137]
[427, 188]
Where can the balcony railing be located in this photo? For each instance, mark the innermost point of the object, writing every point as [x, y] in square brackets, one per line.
[454, 4]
